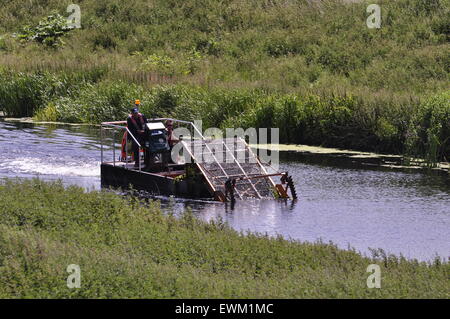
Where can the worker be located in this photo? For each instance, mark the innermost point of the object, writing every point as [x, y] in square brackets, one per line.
[136, 124]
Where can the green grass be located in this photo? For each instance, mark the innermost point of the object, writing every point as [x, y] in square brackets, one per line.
[281, 45]
[313, 70]
[128, 250]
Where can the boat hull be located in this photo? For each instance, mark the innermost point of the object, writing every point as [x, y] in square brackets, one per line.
[120, 177]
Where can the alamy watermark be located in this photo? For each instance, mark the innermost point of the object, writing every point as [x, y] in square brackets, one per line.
[374, 279]
[74, 279]
[74, 19]
[216, 146]
[374, 19]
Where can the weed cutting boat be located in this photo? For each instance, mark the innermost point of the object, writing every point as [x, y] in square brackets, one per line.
[188, 165]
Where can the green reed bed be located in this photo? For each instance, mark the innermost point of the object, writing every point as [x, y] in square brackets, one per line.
[400, 124]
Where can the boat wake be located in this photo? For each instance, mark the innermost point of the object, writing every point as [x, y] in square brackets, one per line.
[38, 166]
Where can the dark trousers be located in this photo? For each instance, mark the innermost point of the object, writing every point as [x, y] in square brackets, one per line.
[135, 148]
[135, 151]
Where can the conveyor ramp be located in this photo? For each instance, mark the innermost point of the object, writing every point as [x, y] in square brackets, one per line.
[231, 159]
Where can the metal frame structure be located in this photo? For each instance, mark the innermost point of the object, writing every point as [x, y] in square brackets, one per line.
[247, 177]
[119, 125]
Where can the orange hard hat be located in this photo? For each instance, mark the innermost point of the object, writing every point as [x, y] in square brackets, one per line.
[137, 102]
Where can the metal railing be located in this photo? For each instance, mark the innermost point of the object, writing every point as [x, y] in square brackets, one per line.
[182, 122]
[121, 126]
[117, 126]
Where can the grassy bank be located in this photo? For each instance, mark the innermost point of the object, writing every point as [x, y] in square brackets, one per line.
[126, 250]
[278, 44]
[311, 68]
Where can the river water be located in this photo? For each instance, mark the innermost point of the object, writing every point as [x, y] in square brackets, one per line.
[351, 203]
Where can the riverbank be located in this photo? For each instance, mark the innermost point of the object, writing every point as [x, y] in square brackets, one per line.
[31, 120]
[127, 250]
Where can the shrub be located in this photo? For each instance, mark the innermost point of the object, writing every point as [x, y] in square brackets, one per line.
[48, 32]
[21, 94]
[48, 113]
[430, 130]
[97, 103]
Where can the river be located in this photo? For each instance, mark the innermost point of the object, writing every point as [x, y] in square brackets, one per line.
[352, 203]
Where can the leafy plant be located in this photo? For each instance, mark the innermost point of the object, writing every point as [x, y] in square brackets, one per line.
[430, 131]
[48, 32]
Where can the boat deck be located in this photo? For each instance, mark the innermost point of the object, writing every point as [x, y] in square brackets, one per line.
[174, 169]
